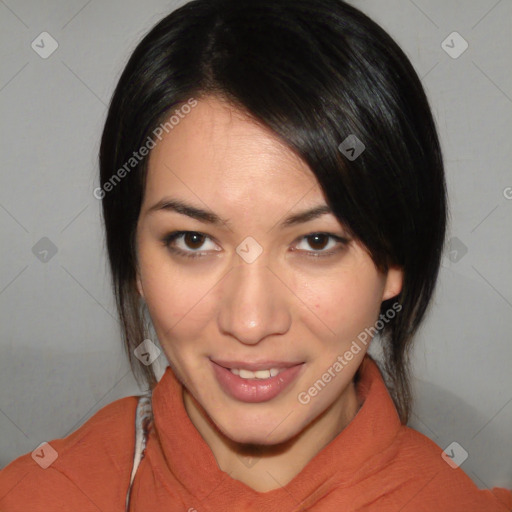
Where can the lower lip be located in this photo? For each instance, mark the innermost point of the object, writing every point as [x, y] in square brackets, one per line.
[255, 390]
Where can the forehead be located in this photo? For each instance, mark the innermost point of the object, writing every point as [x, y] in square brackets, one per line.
[216, 149]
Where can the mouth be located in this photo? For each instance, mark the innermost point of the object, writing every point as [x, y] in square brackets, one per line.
[255, 382]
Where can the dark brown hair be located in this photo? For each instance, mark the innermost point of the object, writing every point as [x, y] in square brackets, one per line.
[314, 72]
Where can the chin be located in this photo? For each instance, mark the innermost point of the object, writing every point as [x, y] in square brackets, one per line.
[243, 431]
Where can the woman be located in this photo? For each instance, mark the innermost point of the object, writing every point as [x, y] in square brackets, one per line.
[273, 195]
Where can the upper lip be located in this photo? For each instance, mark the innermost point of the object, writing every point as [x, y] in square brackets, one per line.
[255, 365]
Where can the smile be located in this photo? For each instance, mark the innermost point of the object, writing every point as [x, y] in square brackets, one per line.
[255, 382]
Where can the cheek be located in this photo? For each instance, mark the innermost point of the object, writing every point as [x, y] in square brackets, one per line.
[177, 297]
[342, 304]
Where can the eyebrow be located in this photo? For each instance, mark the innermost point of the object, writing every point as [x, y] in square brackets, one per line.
[209, 217]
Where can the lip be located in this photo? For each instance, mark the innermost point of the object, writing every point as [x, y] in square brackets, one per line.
[255, 390]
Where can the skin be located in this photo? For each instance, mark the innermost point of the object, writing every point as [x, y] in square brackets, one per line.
[287, 305]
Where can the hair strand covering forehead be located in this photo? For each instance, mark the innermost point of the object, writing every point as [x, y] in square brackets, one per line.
[315, 72]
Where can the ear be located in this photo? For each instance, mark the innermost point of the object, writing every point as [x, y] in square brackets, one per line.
[394, 282]
[139, 285]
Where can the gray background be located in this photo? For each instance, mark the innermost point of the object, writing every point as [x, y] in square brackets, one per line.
[61, 358]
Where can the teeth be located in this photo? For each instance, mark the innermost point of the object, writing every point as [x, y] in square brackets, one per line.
[259, 374]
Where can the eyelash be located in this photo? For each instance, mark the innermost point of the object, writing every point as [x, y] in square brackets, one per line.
[171, 237]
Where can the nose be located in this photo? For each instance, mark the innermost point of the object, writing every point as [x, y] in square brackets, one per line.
[255, 304]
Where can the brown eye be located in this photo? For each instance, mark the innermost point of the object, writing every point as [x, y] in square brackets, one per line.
[190, 244]
[193, 240]
[320, 245]
[318, 241]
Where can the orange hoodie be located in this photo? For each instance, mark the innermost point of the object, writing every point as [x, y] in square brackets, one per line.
[374, 464]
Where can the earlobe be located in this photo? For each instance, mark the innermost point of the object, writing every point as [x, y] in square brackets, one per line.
[394, 283]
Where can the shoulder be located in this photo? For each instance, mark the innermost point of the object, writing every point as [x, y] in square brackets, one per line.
[89, 468]
[435, 480]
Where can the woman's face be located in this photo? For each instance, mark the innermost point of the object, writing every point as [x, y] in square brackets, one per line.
[250, 287]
